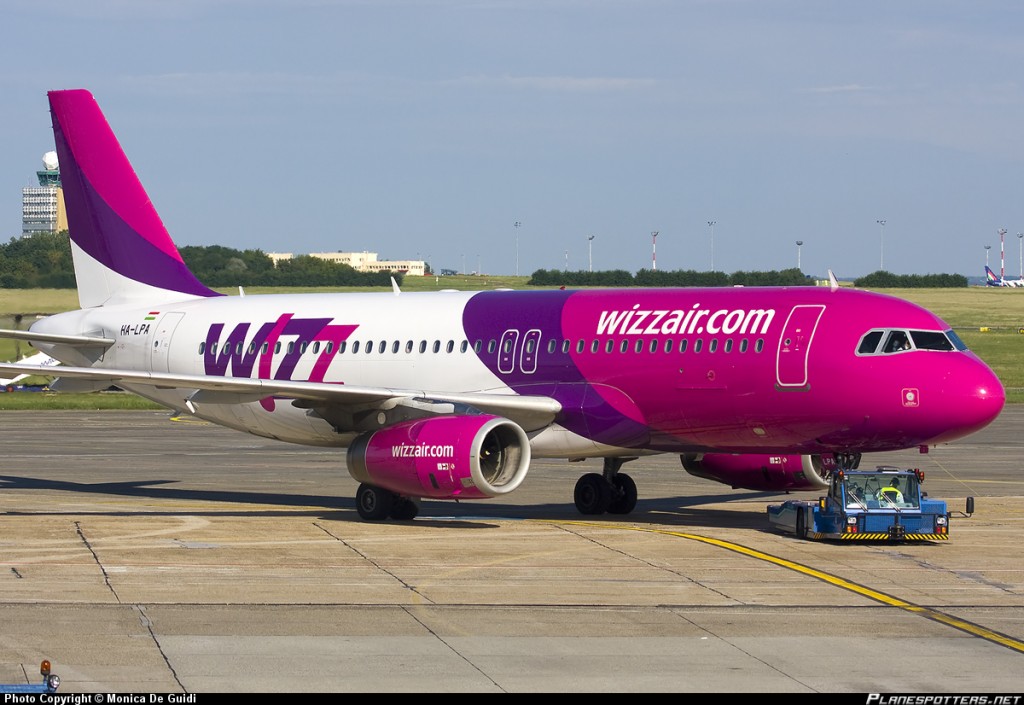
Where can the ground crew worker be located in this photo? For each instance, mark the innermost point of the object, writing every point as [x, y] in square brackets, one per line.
[892, 492]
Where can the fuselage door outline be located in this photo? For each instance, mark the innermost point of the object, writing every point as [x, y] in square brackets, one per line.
[795, 346]
[507, 351]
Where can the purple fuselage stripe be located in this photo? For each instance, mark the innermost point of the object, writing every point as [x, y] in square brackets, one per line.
[489, 314]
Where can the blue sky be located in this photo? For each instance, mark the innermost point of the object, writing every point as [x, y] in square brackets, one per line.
[428, 128]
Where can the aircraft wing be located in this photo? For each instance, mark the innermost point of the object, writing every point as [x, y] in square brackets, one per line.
[531, 412]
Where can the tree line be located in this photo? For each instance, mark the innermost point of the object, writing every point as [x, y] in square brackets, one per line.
[44, 261]
[692, 278]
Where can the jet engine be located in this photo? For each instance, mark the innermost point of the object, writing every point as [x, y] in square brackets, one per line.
[443, 457]
[757, 471]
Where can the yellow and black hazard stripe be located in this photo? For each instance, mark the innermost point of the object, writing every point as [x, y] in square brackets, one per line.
[886, 537]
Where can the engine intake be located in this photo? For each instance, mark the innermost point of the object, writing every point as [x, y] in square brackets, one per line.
[443, 457]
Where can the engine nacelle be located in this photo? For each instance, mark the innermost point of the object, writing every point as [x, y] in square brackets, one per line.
[443, 457]
[762, 471]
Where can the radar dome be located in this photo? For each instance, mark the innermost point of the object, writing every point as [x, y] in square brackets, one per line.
[50, 161]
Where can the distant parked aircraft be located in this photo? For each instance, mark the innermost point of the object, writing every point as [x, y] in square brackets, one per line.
[992, 280]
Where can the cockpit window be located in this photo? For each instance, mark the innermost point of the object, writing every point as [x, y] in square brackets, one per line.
[869, 343]
[955, 339]
[931, 340]
[897, 341]
[889, 341]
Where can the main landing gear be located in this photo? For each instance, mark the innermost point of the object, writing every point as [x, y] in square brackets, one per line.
[376, 503]
[610, 491]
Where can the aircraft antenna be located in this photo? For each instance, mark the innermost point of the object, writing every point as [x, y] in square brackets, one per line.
[394, 287]
[833, 283]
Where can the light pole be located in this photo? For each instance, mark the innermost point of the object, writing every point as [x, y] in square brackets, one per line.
[881, 245]
[516, 226]
[1020, 241]
[987, 248]
[654, 258]
[590, 251]
[799, 244]
[711, 224]
[1002, 253]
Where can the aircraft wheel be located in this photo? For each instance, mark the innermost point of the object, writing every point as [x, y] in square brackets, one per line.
[374, 503]
[405, 509]
[592, 494]
[623, 495]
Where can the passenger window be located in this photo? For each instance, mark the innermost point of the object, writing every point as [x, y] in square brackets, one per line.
[341, 347]
[744, 344]
[593, 346]
[408, 347]
[437, 346]
[202, 347]
[265, 348]
[492, 345]
[316, 346]
[252, 347]
[668, 345]
[450, 346]
[464, 346]
[551, 346]
[579, 345]
[238, 348]
[728, 345]
[697, 345]
[609, 345]
[291, 347]
[624, 345]
[394, 347]
[639, 346]
[302, 347]
[277, 348]
[713, 345]
[355, 347]
[382, 346]
[565, 345]
[478, 345]
[682, 345]
[759, 345]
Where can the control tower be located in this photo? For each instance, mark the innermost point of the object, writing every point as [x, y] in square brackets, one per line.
[42, 207]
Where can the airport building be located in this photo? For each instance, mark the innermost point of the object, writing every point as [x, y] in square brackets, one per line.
[42, 207]
[363, 262]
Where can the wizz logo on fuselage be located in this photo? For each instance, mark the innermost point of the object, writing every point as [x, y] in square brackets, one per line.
[239, 354]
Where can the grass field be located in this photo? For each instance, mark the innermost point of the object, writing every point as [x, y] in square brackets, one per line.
[990, 321]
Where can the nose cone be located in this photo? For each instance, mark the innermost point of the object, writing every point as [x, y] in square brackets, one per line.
[972, 398]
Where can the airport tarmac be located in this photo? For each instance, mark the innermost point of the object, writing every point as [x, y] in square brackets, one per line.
[143, 554]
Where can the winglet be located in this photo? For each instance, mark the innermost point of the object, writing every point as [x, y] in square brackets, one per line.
[833, 283]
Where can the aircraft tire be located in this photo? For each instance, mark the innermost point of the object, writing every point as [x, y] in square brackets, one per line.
[404, 509]
[623, 495]
[592, 494]
[374, 503]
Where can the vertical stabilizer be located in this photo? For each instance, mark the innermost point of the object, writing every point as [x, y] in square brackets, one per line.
[122, 251]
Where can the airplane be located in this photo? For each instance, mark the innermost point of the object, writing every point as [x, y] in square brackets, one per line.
[449, 395]
[991, 279]
[37, 359]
